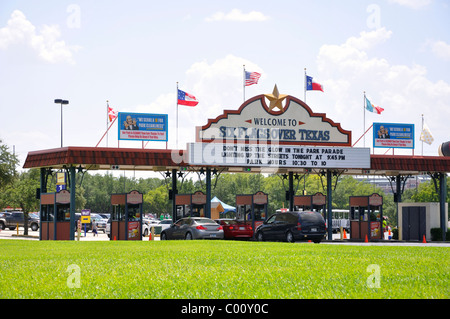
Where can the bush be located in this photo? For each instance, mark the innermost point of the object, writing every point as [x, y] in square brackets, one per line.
[436, 234]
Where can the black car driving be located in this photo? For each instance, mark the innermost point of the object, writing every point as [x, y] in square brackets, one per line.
[293, 226]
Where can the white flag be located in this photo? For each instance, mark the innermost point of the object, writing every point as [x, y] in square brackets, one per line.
[426, 136]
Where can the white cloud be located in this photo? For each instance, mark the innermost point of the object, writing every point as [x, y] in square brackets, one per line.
[404, 91]
[441, 49]
[19, 30]
[413, 4]
[238, 15]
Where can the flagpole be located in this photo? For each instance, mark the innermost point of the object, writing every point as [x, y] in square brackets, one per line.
[107, 111]
[421, 133]
[177, 114]
[243, 82]
[305, 87]
[364, 117]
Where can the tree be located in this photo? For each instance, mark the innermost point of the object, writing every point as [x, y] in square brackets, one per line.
[158, 200]
[21, 192]
[8, 163]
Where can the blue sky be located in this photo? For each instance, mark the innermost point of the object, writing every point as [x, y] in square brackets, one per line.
[132, 53]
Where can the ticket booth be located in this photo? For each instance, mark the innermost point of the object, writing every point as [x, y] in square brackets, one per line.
[126, 216]
[252, 208]
[190, 205]
[366, 216]
[316, 202]
[55, 216]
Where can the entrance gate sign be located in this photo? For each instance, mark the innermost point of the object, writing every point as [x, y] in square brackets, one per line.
[294, 124]
[142, 126]
[393, 135]
[270, 155]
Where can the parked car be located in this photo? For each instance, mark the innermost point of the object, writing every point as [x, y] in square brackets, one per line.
[233, 228]
[165, 223]
[293, 226]
[108, 228]
[193, 228]
[12, 219]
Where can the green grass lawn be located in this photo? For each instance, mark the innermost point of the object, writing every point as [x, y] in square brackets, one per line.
[219, 269]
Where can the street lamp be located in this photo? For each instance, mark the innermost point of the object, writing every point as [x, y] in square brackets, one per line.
[62, 102]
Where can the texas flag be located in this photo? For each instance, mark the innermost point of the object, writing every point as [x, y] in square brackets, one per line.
[311, 85]
[186, 99]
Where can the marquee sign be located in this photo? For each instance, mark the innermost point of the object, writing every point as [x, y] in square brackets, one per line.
[275, 156]
[294, 124]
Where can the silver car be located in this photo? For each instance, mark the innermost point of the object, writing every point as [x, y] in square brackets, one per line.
[193, 228]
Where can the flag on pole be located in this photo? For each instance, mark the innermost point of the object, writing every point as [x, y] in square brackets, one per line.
[251, 78]
[186, 99]
[111, 114]
[311, 85]
[372, 108]
[426, 136]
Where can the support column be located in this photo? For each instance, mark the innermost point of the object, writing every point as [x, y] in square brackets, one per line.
[329, 208]
[442, 200]
[291, 191]
[398, 195]
[72, 203]
[42, 190]
[174, 192]
[208, 193]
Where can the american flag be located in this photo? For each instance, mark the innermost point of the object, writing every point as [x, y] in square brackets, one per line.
[251, 78]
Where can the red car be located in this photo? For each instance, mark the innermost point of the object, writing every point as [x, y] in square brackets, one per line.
[233, 228]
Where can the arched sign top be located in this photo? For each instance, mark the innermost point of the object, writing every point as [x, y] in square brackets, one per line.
[255, 121]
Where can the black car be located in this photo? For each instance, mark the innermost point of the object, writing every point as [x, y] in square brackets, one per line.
[292, 226]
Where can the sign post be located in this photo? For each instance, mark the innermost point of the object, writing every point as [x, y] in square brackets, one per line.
[85, 218]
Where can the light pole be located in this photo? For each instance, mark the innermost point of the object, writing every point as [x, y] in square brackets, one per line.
[62, 102]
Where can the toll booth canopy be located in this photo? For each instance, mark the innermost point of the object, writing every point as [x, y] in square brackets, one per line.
[126, 216]
[366, 216]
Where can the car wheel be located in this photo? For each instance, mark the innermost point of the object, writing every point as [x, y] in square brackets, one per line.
[259, 237]
[34, 227]
[163, 236]
[289, 237]
[188, 236]
[317, 241]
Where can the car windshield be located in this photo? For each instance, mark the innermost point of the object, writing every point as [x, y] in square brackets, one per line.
[204, 221]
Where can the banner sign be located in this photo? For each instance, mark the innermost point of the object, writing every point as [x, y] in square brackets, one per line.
[393, 135]
[270, 155]
[142, 126]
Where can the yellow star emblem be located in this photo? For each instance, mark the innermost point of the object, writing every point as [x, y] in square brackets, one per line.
[275, 99]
